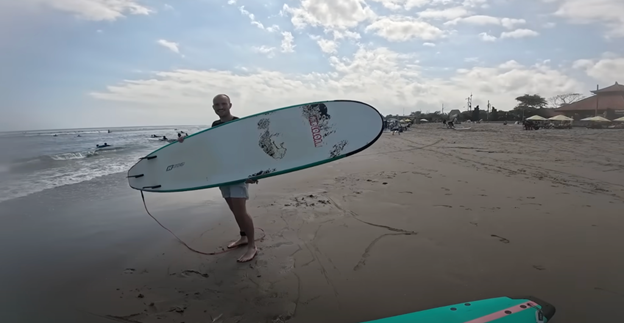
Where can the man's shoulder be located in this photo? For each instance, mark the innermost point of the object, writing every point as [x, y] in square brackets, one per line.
[218, 122]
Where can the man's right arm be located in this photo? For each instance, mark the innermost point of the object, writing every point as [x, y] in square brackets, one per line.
[181, 139]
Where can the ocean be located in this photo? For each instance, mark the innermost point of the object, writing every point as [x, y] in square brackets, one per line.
[32, 161]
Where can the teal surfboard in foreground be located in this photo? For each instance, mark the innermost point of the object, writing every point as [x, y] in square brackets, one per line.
[495, 310]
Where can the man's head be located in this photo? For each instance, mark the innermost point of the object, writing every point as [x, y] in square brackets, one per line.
[221, 105]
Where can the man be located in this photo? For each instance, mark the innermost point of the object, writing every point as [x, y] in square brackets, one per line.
[235, 195]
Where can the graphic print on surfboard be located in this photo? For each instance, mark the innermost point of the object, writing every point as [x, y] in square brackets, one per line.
[494, 310]
[267, 143]
[262, 145]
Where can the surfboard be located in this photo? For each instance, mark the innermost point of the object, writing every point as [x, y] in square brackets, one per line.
[258, 146]
[495, 310]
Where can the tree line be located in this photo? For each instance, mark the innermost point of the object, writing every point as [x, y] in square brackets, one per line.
[528, 105]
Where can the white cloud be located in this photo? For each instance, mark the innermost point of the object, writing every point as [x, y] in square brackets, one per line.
[334, 14]
[174, 47]
[396, 5]
[549, 25]
[608, 69]
[519, 33]
[429, 44]
[379, 76]
[487, 37]
[327, 46]
[448, 13]
[401, 28]
[288, 40]
[511, 23]
[269, 51]
[344, 34]
[96, 10]
[250, 15]
[606, 12]
[273, 28]
[483, 20]
[475, 3]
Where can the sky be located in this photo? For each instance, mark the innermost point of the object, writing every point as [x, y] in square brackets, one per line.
[106, 63]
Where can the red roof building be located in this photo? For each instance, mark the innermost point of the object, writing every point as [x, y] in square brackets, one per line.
[607, 102]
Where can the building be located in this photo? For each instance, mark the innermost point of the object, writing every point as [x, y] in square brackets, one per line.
[607, 102]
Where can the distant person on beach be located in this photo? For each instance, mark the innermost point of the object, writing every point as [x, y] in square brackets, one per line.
[451, 123]
[236, 195]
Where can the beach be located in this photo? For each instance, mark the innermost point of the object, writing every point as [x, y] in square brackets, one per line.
[428, 218]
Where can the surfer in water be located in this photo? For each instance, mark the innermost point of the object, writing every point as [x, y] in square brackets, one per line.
[235, 195]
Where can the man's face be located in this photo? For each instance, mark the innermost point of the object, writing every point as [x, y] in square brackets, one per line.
[221, 106]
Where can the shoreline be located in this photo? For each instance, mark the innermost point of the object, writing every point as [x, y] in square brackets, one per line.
[425, 219]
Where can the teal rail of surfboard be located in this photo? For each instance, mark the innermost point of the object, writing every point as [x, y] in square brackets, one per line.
[495, 310]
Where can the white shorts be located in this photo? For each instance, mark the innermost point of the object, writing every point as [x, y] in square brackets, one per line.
[240, 191]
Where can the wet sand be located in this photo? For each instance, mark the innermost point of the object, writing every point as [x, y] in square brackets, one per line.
[428, 218]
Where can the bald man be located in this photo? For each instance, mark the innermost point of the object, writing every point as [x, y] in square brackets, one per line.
[235, 195]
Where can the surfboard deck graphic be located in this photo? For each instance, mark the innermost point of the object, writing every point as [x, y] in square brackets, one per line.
[262, 145]
[495, 310]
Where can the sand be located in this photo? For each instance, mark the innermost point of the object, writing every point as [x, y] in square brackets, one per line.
[428, 218]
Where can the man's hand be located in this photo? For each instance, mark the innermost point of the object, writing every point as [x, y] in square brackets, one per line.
[251, 181]
[180, 139]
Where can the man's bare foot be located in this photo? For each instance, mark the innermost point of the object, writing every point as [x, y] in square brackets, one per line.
[240, 242]
[249, 254]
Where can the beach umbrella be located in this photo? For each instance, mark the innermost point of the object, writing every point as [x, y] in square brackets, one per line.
[620, 119]
[560, 118]
[536, 118]
[596, 119]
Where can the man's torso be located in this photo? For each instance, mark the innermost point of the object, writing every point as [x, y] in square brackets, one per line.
[219, 122]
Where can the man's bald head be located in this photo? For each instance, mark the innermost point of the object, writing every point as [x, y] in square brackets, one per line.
[221, 105]
[221, 97]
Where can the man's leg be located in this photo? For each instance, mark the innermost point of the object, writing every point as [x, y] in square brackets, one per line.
[243, 236]
[237, 199]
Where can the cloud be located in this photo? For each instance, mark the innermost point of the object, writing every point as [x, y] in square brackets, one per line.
[482, 20]
[605, 12]
[332, 14]
[269, 51]
[607, 69]
[429, 44]
[396, 5]
[519, 33]
[169, 45]
[96, 10]
[378, 76]
[327, 46]
[487, 37]
[288, 41]
[447, 14]
[401, 29]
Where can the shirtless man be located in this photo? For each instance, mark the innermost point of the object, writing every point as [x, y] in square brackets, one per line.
[235, 195]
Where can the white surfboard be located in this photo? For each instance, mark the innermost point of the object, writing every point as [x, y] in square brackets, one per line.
[262, 145]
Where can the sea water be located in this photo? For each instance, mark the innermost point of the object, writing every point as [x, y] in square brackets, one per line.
[33, 161]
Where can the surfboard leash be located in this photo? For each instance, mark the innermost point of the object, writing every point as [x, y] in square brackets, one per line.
[185, 244]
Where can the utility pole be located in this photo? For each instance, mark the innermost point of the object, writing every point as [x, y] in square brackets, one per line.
[597, 98]
[487, 112]
[469, 99]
